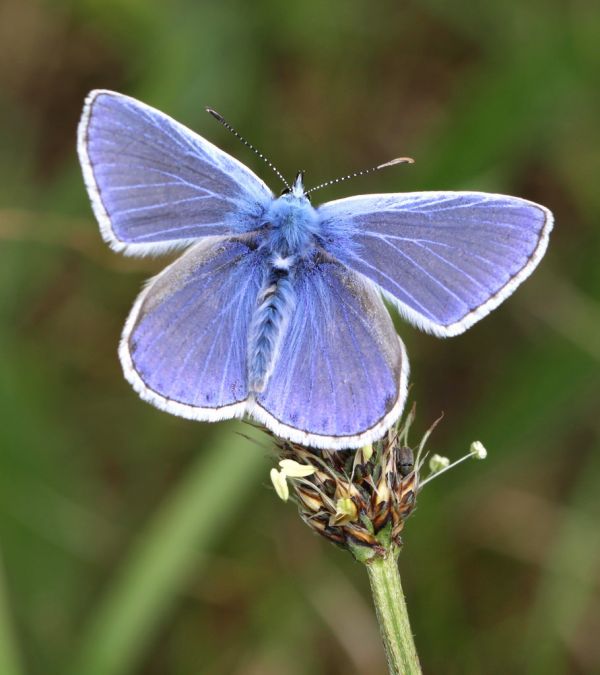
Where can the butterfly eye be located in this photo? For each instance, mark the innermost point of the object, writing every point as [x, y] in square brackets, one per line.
[285, 191]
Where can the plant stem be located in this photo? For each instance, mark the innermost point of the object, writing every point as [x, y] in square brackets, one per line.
[392, 615]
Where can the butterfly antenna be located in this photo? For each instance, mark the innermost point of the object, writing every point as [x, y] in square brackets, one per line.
[228, 126]
[393, 162]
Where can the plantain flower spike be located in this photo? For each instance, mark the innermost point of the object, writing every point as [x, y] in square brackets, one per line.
[358, 499]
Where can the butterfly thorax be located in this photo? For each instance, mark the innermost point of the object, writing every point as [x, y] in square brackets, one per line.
[292, 223]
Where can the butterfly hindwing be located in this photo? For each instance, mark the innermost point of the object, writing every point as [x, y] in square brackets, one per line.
[184, 347]
[446, 259]
[156, 185]
[340, 377]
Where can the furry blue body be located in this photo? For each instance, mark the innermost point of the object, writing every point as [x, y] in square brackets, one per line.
[291, 224]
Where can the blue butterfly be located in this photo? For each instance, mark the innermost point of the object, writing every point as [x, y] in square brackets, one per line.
[275, 309]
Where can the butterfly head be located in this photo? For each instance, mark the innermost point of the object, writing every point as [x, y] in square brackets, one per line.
[297, 188]
[298, 185]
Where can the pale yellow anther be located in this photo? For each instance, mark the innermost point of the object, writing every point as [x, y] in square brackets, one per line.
[437, 463]
[294, 469]
[280, 484]
[345, 512]
[477, 450]
[367, 452]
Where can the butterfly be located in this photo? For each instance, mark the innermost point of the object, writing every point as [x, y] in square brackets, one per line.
[275, 309]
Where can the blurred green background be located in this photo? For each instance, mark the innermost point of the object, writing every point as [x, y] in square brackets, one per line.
[132, 542]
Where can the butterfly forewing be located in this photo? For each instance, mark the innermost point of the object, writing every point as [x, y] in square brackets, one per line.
[445, 258]
[155, 184]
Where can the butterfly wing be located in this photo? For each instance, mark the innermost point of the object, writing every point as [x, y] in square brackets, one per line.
[445, 259]
[341, 373]
[184, 344]
[154, 184]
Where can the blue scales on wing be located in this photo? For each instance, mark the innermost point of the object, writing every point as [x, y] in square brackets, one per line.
[340, 375]
[445, 259]
[184, 347]
[155, 184]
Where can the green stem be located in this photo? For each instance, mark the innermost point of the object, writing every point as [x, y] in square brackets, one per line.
[392, 615]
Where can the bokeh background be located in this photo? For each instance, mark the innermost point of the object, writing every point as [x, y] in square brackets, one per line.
[132, 542]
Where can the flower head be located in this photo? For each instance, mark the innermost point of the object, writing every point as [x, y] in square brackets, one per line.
[358, 499]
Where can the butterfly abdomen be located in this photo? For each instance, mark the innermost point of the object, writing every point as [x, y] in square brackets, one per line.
[275, 303]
